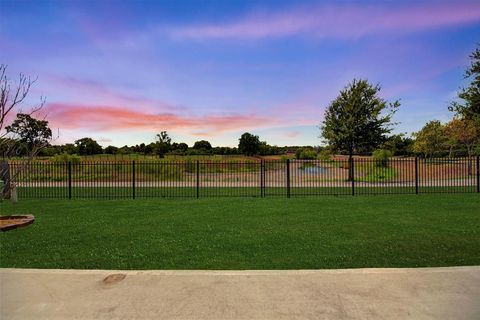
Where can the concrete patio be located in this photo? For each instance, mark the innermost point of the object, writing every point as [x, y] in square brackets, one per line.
[424, 293]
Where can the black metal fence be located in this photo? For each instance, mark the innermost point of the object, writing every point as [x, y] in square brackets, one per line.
[262, 178]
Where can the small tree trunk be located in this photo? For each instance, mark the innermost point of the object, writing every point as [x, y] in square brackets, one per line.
[5, 177]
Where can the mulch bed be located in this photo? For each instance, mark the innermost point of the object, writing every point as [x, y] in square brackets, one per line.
[12, 222]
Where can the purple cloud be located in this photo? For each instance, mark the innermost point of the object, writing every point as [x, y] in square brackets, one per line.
[339, 21]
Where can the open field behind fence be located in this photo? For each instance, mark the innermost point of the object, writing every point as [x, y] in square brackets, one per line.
[261, 178]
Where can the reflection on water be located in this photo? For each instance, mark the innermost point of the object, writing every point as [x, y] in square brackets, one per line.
[313, 169]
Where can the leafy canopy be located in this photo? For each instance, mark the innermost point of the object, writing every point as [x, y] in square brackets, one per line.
[31, 131]
[398, 144]
[461, 133]
[202, 145]
[358, 119]
[88, 146]
[469, 108]
[430, 139]
[249, 144]
[163, 143]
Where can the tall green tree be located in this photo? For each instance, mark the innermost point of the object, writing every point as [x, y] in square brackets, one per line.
[87, 146]
[163, 143]
[461, 134]
[249, 144]
[30, 131]
[431, 139]
[469, 106]
[111, 150]
[358, 119]
[202, 145]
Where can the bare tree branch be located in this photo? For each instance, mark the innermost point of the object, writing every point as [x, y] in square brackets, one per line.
[12, 97]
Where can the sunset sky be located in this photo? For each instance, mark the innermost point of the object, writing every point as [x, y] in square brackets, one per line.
[120, 71]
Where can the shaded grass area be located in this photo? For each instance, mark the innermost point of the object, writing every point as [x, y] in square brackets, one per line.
[245, 233]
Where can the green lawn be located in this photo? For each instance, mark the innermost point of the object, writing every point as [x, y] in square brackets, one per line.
[112, 192]
[246, 233]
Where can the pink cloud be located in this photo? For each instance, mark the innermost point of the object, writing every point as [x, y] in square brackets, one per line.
[341, 21]
[110, 118]
[292, 134]
[108, 109]
[104, 94]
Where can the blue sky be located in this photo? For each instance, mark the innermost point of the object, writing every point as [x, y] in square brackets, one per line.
[120, 71]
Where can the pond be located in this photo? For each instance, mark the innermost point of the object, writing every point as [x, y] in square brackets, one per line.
[313, 170]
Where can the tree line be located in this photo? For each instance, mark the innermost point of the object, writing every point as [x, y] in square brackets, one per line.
[38, 131]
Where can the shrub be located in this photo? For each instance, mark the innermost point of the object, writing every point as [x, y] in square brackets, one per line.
[379, 174]
[65, 158]
[305, 154]
[381, 157]
[325, 155]
[476, 151]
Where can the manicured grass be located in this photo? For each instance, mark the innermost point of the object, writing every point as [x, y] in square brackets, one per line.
[246, 233]
[113, 192]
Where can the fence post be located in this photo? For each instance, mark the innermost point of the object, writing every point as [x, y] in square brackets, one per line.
[288, 178]
[478, 174]
[198, 179]
[69, 180]
[416, 175]
[133, 179]
[262, 178]
[352, 168]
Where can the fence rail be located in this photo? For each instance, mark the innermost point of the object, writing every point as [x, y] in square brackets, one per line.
[263, 178]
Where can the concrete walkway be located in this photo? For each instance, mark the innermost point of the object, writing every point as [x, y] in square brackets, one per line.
[429, 293]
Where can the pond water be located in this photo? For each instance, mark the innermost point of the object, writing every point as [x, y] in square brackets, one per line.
[314, 170]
